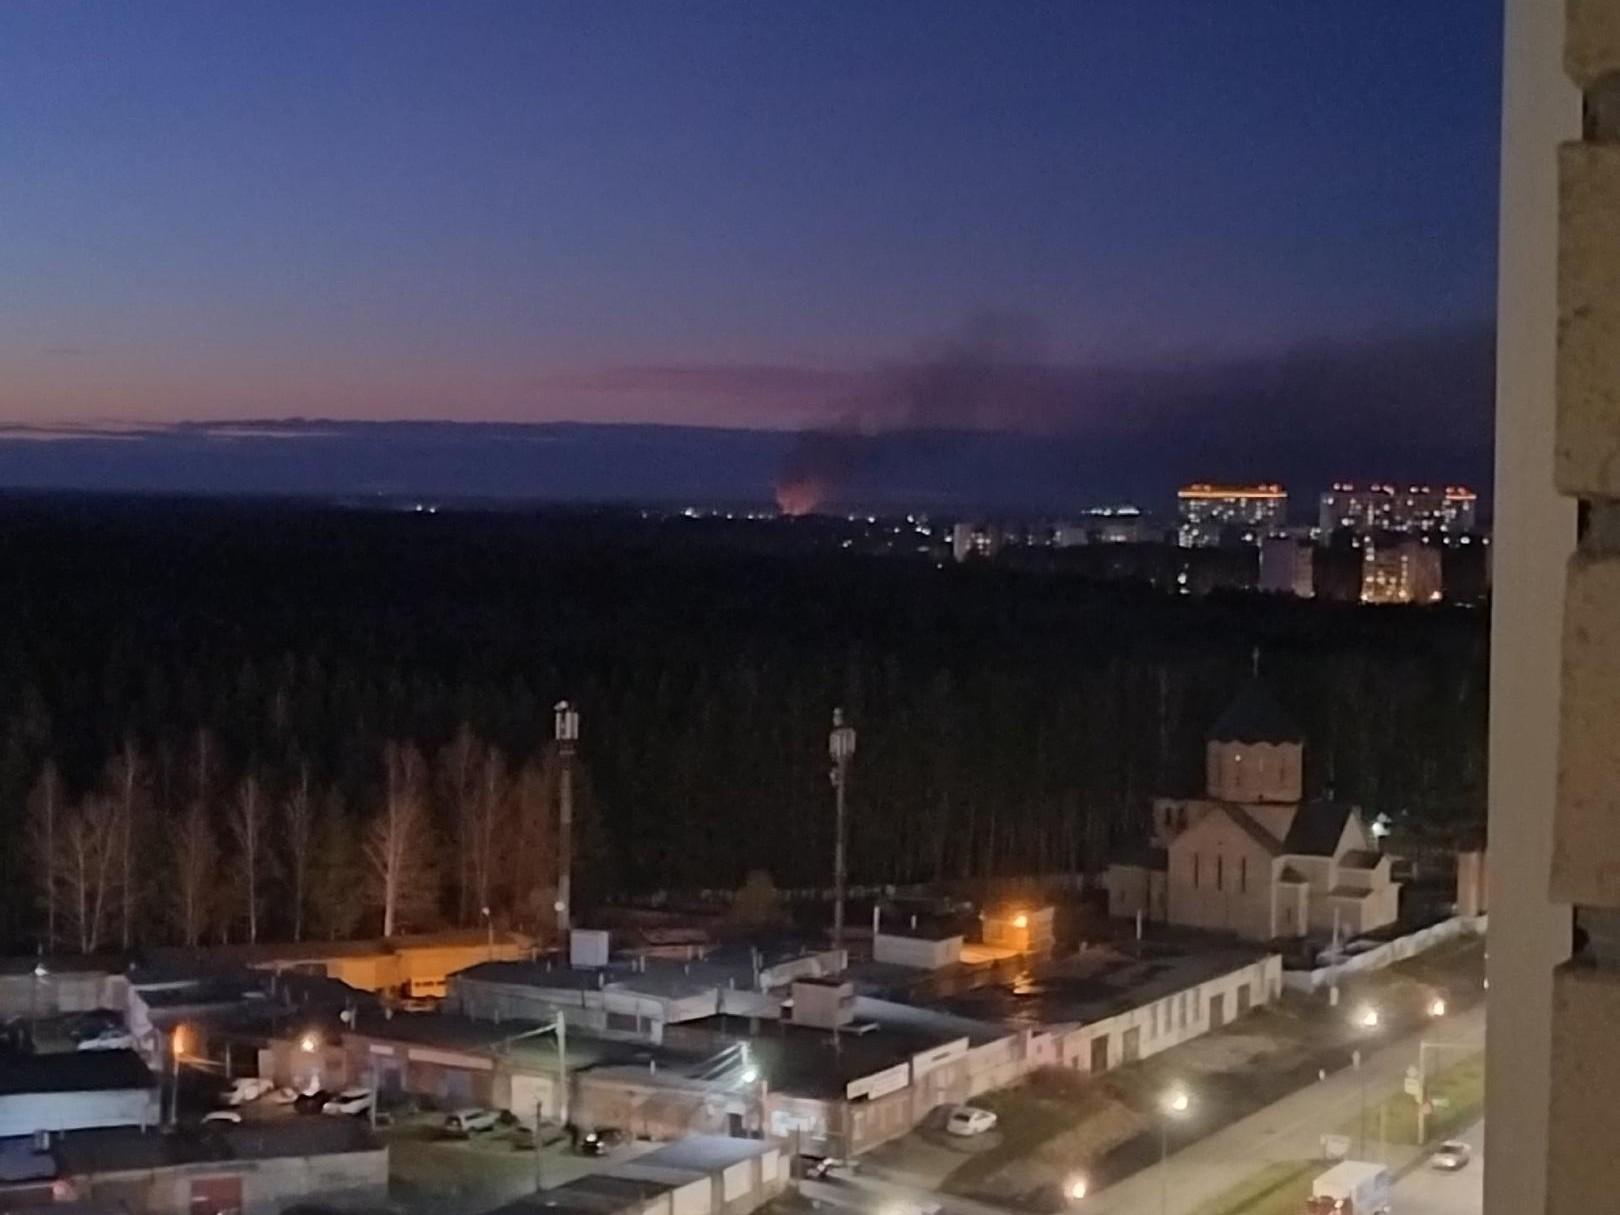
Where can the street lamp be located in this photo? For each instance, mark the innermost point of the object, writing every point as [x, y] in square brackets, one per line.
[1174, 1104]
[1076, 1189]
[841, 747]
[565, 729]
[1437, 1007]
[489, 928]
[1368, 1020]
[308, 1043]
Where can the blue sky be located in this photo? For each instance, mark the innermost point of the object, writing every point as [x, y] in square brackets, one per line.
[713, 213]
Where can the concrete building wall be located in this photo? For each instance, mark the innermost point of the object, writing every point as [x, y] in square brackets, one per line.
[25, 1113]
[1534, 534]
[1254, 772]
[1173, 1019]
[1219, 880]
[921, 953]
[22, 995]
[357, 1180]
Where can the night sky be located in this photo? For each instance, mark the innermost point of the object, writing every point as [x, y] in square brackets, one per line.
[1135, 221]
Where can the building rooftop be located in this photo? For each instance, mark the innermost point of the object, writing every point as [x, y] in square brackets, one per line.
[291, 952]
[627, 1185]
[1255, 717]
[450, 1031]
[806, 1062]
[1316, 829]
[76, 1071]
[1100, 983]
[121, 1148]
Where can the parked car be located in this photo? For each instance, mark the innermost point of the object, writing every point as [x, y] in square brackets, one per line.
[829, 1168]
[601, 1141]
[350, 1101]
[468, 1121]
[111, 1038]
[1452, 1155]
[230, 1116]
[417, 1004]
[312, 1102]
[248, 1088]
[970, 1120]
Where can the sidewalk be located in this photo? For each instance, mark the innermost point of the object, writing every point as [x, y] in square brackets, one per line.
[1288, 1130]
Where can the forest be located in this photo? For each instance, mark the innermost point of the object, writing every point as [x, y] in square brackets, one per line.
[243, 720]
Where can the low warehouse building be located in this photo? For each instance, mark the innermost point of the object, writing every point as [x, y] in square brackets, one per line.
[74, 1091]
[260, 1169]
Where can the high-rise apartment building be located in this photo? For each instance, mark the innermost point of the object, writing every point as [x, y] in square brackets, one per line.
[1449, 510]
[1208, 515]
[1407, 571]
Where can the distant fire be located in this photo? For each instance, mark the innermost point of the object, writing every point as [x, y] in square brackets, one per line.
[799, 495]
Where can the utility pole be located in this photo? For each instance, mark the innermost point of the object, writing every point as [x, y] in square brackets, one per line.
[558, 1028]
[566, 731]
[841, 746]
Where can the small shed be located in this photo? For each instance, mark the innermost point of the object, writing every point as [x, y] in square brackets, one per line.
[920, 944]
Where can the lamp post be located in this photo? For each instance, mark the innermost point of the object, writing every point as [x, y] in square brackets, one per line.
[565, 729]
[558, 1028]
[841, 747]
[489, 930]
[40, 973]
[1174, 1104]
[177, 1046]
[1367, 1020]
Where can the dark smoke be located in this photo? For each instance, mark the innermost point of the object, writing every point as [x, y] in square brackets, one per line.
[1413, 407]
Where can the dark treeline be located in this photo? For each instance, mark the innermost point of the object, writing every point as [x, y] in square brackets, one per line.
[261, 720]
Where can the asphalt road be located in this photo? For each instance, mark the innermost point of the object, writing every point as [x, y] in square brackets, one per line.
[1287, 1130]
[1427, 1192]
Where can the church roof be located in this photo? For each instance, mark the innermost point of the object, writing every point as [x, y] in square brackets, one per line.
[1252, 829]
[1254, 717]
[1316, 829]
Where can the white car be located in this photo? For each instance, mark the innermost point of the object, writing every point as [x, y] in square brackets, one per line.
[1452, 1155]
[108, 1039]
[247, 1088]
[350, 1101]
[232, 1116]
[465, 1122]
[970, 1120]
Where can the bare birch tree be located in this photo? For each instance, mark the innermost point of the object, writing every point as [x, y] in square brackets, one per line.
[399, 844]
[298, 824]
[459, 765]
[196, 854]
[44, 811]
[247, 824]
[86, 861]
[127, 787]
